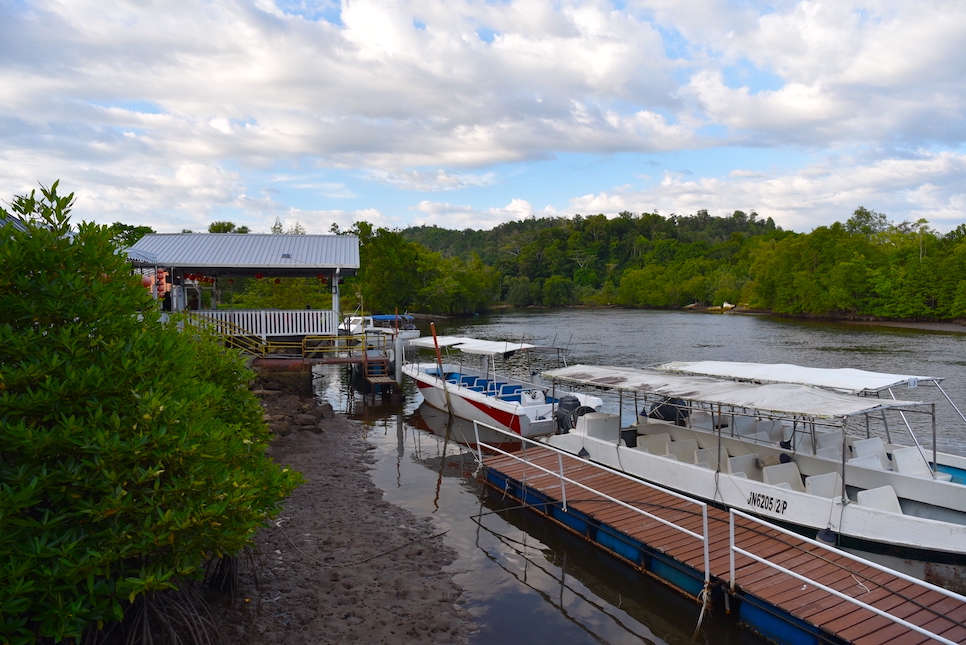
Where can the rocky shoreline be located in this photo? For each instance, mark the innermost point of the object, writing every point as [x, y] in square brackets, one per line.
[339, 564]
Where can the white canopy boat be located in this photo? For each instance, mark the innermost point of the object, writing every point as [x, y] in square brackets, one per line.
[802, 456]
[402, 326]
[480, 393]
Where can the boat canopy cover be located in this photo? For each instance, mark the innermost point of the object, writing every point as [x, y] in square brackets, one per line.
[475, 346]
[847, 380]
[390, 317]
[775, 399]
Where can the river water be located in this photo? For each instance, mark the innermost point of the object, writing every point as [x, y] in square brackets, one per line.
[526, 582]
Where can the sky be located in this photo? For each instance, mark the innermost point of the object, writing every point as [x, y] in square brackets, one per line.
[468, 113]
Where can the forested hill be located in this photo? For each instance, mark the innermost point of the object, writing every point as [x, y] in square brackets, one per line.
[596, 231]
[867, 266]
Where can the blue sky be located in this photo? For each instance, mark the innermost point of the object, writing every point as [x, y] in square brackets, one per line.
[467, 113]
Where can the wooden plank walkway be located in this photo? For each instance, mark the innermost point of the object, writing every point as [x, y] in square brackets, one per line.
[917, 604]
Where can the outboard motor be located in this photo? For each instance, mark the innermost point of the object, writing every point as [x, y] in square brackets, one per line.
[566, 406]
[674, 410]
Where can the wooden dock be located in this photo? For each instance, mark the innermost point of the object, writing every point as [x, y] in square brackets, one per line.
[776, 604]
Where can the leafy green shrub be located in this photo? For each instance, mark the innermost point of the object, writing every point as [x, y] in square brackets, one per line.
[129, 452]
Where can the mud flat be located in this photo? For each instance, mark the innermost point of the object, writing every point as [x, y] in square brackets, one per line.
[341, 565]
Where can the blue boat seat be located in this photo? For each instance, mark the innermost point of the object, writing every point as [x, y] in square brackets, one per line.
[512, 397]
[510, 388]
[468, 380]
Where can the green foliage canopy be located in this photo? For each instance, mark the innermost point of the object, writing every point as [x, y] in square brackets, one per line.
[130, 452]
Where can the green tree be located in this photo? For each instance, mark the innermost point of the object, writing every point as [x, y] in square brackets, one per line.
[558, 291]
[130, 452]
[283, 293]
[866, 222]
[388, 277]
[226, 227]
[125, 235]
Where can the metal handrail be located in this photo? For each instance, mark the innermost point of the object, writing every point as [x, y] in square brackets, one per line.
[916, 628]
[703, 538]
[232, 334]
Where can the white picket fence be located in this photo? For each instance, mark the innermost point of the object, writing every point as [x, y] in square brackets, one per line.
[273, 322]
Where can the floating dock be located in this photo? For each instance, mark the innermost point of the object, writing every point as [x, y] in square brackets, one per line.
[790, 589]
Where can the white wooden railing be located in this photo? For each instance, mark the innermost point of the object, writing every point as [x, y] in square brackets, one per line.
[273, 322]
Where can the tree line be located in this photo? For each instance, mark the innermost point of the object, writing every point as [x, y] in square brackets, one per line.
[867, 266]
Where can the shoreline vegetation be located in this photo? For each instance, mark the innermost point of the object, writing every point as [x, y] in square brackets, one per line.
[865, 268]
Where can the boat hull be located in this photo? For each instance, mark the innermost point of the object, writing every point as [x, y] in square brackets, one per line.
[533, 415]
[931, 550]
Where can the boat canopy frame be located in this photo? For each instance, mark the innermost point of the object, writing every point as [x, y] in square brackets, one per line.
[482, 347]
[774, 400]
[800, 404]
[847, 380]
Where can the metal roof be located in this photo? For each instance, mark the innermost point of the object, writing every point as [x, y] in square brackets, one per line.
[848, 380]
[241, 254]
[13, 219]
[779, 399]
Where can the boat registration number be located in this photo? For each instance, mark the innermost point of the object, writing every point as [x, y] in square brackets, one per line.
[767, 503]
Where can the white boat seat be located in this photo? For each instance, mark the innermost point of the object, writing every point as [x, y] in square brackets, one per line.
[744, 464]
[909, 461]
[669, 456]
[830, 452]
[784, 474]
[773, 428]
[704, 464]
[802, 443]
[824, 485]
[704, 419]
[872, 446]
[656, 444]
[784, 485]
[869, 461]
[883, 498]
[708, 456]
[683, 450]
[745, 426]
[827, 439]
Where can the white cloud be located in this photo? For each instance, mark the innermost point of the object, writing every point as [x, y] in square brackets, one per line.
[178, 113]
[459, 217]
[432, 181]
[927, 185]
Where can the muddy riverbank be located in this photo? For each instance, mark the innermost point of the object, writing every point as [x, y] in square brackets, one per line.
[340, 564]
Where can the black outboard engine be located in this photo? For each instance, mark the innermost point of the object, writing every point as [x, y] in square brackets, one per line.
[566, 406]
[674, 410]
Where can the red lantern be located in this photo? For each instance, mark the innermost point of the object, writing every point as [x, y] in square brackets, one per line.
[258, 276]
[231, 280]
[278, 281]
[146, 281]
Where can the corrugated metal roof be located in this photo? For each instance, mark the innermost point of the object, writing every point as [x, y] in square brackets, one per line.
[225, 252]
[13, 219]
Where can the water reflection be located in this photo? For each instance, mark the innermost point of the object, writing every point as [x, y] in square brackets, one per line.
[527, 581]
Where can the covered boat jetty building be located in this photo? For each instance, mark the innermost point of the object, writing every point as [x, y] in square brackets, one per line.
[183, 271]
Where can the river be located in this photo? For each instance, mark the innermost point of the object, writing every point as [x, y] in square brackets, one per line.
[527, 582]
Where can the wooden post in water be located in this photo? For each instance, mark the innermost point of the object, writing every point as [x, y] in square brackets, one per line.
[439, 365]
